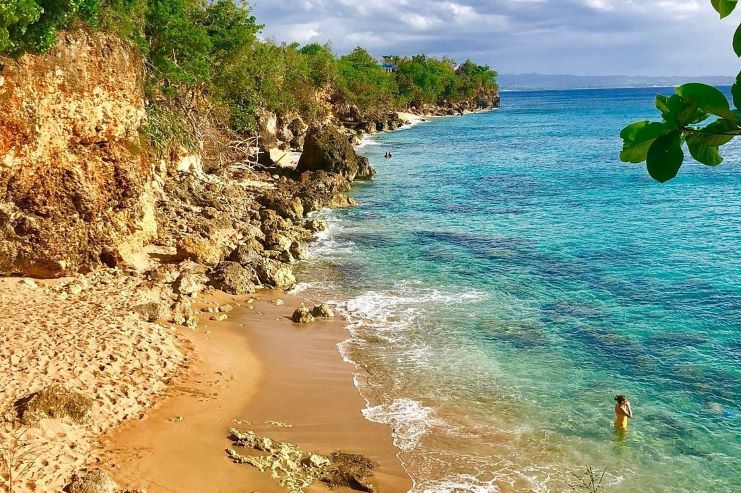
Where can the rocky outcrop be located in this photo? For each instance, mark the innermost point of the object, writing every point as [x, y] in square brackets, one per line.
[302, 315]
[75, 188]
[322, 311]
[233, 278]
[327, 149]
[53, 402]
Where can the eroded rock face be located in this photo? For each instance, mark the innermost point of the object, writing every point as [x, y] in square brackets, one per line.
[75, 189]
[327, 149]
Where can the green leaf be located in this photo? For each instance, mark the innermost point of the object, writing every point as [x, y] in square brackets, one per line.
[637, 139]
[702, 151]
[665, 157]
[721, 126]
[708, 99]
[737, 41]
[724, 7]
[736, 91]
[678, 111]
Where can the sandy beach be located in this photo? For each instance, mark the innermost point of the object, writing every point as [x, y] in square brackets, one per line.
[256, 371]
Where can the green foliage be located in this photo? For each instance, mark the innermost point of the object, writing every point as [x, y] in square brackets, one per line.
[211, 47]
[363, 82]
[472, 79]
[32, 25]
[422, 80]
[685, 115]
[322, 64]
[178, 47]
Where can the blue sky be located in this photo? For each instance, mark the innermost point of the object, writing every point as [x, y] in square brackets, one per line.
[583, 37]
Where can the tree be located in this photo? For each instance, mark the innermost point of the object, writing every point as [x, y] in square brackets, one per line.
[364, 83]
[684, 122]
[32, 25]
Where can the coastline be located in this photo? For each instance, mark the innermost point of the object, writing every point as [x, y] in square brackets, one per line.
[137, 432]
[271, 376]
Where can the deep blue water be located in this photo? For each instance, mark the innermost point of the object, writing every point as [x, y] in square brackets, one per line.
[507, 276]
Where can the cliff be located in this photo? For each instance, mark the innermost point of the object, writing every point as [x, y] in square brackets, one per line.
[75, 187]
[79, 190]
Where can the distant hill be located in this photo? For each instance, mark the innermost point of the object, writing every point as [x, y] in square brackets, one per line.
[521, 82]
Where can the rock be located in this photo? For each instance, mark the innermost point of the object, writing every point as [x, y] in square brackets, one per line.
[233, 278]
[315, 460]
[151, 312]
[95, 481]
[199, 250]
[247, 253]
[322, 311]
[349, 471]
[341, 200]
[182, 313]
[220, 317]
[277, 241]
[226, 308]
[190, 283]
[298, 251]
[274, 274]
[315, 225]
[327, 149]
[302, 315]
[53, 402]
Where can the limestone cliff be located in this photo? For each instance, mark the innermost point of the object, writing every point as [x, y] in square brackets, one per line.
[75, 187]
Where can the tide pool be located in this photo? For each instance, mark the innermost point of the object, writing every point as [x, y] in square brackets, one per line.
[506, 276]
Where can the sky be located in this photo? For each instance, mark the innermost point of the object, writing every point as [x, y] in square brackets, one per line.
[581, 37]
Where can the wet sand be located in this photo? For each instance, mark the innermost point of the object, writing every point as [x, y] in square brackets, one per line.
[268, 370]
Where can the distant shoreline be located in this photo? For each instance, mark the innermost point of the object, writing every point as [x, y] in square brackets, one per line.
[594, 88]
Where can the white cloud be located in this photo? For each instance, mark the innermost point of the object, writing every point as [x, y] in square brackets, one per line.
[663, 37]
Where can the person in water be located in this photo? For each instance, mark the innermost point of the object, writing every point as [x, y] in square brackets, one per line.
[622, 412]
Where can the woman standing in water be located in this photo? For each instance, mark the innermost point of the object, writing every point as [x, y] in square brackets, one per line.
[622, 412]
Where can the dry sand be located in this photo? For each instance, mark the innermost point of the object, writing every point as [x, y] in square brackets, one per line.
[256, 371]
[84, 335]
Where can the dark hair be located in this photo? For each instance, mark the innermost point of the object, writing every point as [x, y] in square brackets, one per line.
[620, 398]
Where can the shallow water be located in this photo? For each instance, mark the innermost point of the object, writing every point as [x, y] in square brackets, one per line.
[506, 276]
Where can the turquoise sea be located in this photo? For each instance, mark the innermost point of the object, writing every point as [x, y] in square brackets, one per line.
[505, 276]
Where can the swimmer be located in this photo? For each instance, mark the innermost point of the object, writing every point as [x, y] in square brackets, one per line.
[623, 411]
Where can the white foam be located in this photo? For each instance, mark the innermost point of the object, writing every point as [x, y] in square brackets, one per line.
[409, 420]
[459, 484]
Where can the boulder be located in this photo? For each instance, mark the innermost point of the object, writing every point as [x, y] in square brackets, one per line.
[327, 149]
[277, 241]
[248, 252]
[53, 402]
[151, 312]
[189, 283]
[315, 225]
[233, 278]
[275, 274]
[302, 315]
[95, 481]
[199, 249]
[341, 201]
[298, 251]
[182, 313]
[322, 311]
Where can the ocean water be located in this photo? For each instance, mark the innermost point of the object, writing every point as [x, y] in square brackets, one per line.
[505, 276]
